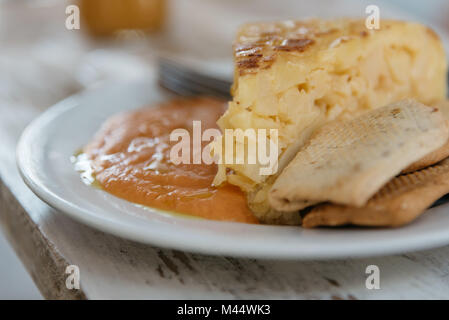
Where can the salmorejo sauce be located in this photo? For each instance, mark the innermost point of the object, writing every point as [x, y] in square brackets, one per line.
[130, 158]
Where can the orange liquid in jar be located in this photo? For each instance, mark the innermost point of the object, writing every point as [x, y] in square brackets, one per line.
[106, 17]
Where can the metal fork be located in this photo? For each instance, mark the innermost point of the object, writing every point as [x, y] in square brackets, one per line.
[187, 82]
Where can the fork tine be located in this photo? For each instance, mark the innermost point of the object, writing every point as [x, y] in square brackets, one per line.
[185, 81]
[182, 87]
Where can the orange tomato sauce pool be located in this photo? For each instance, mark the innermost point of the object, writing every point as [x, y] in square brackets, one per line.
[130, 158]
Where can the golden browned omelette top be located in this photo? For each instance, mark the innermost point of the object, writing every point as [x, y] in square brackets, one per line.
[258, 44]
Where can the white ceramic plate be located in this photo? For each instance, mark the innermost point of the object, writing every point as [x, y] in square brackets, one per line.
[43, 157]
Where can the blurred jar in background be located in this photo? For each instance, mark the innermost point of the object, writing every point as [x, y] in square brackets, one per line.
[107, 17]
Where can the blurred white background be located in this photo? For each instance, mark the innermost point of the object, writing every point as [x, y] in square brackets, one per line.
[15, 283]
